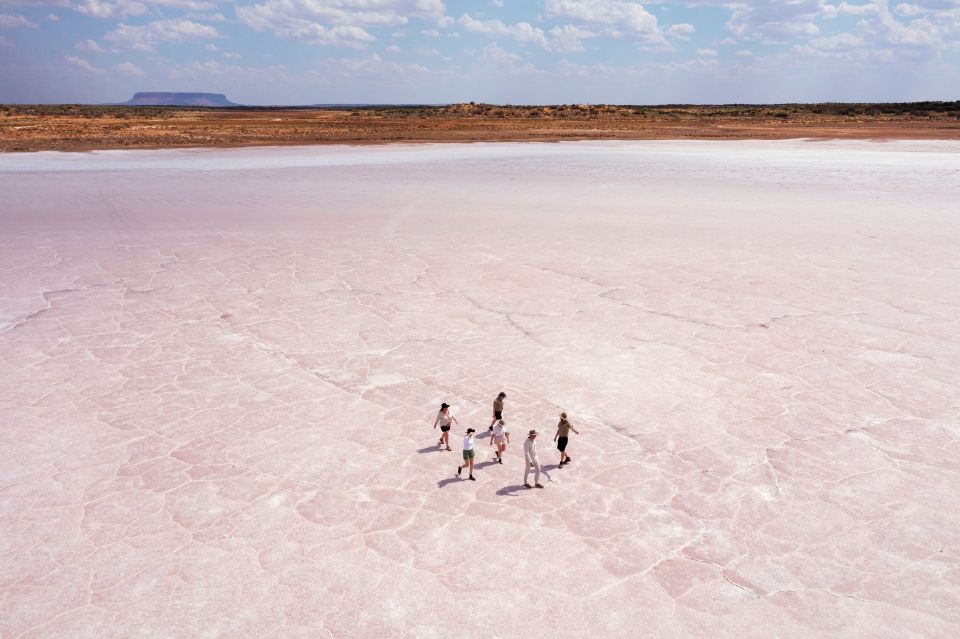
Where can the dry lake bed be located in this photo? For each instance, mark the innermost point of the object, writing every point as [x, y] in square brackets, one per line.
[221, 370]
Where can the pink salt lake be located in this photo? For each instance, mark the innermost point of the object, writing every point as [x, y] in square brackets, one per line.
[221, 369]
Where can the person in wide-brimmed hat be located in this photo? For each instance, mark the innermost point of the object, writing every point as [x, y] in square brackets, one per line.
[531, 461]
[563, 431]
[444, 419]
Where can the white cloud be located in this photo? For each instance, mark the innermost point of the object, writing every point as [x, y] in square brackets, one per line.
[371, 66]
[596, 71]
[193, 5]
[432, 33]
[784, 18]
[52, 17]
[935, 25]
[392, 49]
[9, 21]
[497, 55]
[561, 38]
[681, 31]
[744, 53]
[90, 45]
[707, 52]
[206, 17]
[82, 64]
[522, 32]
[144, 38]
[5, 43]
[497, 3]
[569, 38]
[128, 68]
[337, 22]
[212, 72]
[616, 18]
[117, 9]
[211, 47]
[111, 9]
[229, 55]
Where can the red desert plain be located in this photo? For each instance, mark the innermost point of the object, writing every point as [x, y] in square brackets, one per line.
[222, 369]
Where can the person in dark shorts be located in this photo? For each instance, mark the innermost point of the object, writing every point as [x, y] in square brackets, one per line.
[468, 454]
[497, 409]
[563, 432]
[444, 419]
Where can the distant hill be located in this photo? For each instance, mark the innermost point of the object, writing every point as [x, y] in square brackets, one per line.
[156, 98]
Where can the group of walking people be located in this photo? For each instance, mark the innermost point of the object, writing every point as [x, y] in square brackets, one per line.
[500, 437]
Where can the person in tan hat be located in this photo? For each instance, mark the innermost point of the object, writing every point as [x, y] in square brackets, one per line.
[563, 431]
[531, 461]
[497, 409]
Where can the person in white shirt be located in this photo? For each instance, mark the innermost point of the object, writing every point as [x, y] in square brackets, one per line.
[444, 418]
[468, 454]
[531, 461]
[501, 438]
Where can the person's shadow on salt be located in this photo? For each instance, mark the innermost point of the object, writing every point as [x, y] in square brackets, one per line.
[429, 449]
[511, 491]
[448, 481]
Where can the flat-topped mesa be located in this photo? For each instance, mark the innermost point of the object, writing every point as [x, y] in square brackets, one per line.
[161, 98]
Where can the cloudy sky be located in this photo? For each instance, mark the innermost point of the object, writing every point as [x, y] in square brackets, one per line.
[503, 51]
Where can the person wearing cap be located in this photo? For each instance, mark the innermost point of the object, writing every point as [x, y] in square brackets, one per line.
[501, 438]
[497, 409]
[531, 461]
[468, 454]
[563, 431]
[444, 418]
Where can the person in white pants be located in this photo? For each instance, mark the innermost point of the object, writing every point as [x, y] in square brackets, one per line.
[531, 461]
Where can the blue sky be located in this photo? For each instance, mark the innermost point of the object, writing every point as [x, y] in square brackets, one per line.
[503, 51]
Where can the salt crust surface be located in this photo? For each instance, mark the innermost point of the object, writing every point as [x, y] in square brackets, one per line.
[221, 369]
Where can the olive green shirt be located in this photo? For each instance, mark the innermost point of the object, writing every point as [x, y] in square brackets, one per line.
[498, 404]
[563, 428]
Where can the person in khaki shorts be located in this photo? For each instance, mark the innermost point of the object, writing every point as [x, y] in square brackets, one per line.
[501, 438]
[497, 409]
[563, 431]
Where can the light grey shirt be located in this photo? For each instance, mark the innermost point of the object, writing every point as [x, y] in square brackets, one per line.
[530, 450]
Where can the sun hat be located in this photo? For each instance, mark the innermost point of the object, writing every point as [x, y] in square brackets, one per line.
[470, 430]
[444, 405]
[533, 432]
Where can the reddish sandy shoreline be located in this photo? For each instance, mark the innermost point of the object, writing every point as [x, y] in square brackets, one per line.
[25, 128]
